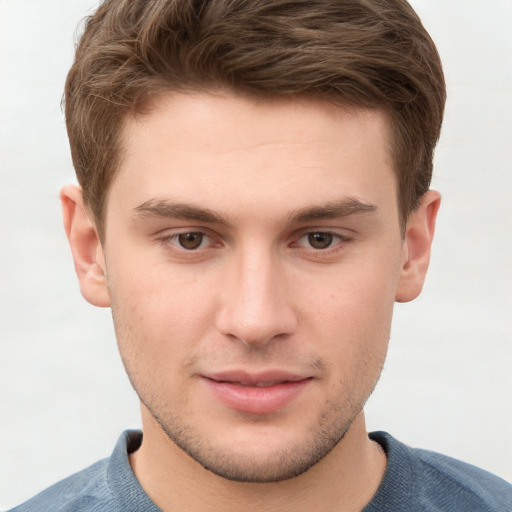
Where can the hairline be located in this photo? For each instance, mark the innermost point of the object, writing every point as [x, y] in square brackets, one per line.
[150, 102]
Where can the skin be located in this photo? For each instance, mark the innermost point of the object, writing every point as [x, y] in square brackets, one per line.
[253, 236]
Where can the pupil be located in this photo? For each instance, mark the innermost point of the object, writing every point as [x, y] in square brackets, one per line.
[190, 241]
[320, 240]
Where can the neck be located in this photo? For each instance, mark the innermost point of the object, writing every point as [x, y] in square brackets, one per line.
[345, 480]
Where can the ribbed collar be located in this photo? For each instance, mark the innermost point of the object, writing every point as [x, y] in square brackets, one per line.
[397, 489]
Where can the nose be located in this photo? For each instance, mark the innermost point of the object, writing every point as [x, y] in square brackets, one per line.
[256, 305]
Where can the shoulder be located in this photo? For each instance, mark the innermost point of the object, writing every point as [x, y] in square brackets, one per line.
[86, 490]
[464, 483]
[429, 481]
[107, 486]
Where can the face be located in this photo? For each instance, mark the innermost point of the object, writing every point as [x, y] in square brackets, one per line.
[252, 255]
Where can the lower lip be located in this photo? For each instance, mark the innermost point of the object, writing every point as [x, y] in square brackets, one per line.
[257, 400]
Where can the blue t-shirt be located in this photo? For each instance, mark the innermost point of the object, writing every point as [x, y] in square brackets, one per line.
[415, 481]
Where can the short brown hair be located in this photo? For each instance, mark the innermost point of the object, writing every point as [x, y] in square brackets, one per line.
[363, 53]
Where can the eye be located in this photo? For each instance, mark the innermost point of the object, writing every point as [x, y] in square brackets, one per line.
[186, 241]
[189, 246]
[320, 240]
[190, 241]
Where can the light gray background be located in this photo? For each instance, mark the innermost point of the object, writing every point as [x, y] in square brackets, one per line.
[447, 384]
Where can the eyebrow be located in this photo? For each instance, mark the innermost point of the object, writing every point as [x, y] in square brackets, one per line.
[176, 210]
[184, 211]
[331, 210]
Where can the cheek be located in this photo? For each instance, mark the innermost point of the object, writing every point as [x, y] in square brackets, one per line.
[354, 297]
[351, 313]
[161, 295]
[159, 318]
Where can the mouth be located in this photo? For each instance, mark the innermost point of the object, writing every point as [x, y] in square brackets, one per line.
[256, 384]
[263, 393]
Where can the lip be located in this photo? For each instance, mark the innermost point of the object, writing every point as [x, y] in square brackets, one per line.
[256, 393]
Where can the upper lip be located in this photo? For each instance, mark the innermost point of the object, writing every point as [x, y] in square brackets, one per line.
[246, 377]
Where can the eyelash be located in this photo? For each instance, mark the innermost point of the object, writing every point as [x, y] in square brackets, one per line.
[171, 242]
[337, 239]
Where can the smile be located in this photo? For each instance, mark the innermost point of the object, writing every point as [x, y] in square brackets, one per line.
[257, 394]
[257, 384]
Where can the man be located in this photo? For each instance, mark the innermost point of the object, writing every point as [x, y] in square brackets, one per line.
[254, 198]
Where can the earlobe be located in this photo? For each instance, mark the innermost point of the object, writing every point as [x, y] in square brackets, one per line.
[85, 247]
[417, 244]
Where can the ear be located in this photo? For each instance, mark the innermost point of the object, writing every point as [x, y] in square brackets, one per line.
[85, 246]
[416, 248]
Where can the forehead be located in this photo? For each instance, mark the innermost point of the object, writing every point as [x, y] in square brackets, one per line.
[263, 119]
[229, 150]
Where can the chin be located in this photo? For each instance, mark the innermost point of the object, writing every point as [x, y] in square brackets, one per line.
[257, 451]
